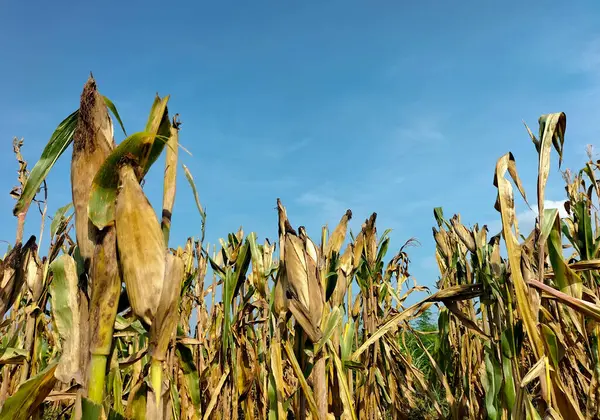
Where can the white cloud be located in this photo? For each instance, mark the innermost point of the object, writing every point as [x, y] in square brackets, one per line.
[422, 130]
[526, 219]
[329, 207]
[278, 151]
[589, 58]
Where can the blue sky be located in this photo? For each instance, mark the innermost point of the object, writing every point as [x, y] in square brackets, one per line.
[393, 107]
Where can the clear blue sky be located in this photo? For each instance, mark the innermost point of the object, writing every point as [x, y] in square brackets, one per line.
[388, 106]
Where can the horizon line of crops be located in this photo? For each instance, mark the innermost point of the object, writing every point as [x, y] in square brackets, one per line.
[101, 327]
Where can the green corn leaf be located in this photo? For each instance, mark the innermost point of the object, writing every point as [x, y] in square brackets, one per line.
[65, 311]
[113, 109]
[190, 374]
[103, 195]
[11, 356]
[136, 404]
[159, 125]
[60, 140]
[347, 340]
[492, 383]
[58, 217]
[241, 267]
[114, 415]
[509, 382]
[334, 318]
[30, 394]
[90, 410]
[584, 231]
[552, 345]
[565, 277]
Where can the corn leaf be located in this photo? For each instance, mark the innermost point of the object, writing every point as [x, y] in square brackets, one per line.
[58, 217]
[303, 384]
[389, 326]
[58, 143]
[30, 394]
[190, 374]
[492, 384]
[12, 356]
[113, 109]
[505, 204]
[190, 179]
[334, 318]
[566, 278]
[103, 195]
[345, 395]
[215, 395]
[65, 311]
[90, 410]
[585, 307]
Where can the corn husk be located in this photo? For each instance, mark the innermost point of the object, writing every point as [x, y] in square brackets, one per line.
[338, 236]
[106, 289]
[31, 266]
[11, 282]
[167, 314]
[92, 143]
[301, 280]
[344, 273]
[141, 246]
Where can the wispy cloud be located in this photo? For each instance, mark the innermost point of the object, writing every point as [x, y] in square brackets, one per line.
[278, 150]
[421, 130]
[588, 58]
[327, 205]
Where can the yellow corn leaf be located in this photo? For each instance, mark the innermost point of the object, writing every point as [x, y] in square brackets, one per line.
[342, 378]
[507, 211]
[303, 384]
[277, 372]
[215, 395]
[391, 325]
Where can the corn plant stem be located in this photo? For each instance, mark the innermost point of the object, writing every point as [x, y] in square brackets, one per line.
[29, 337]
[156, 378]
[7, 373]
[20, 227]
[96, 378]
[320, 384]
[300, 356]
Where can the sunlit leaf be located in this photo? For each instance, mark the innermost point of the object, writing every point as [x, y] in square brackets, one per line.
[30, 394]
[58, 143]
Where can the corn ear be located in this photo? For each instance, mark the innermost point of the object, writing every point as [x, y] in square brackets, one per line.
[141, 246]
[31, 266]
[167, 314]
[92, 143]
[106, 289]
[13, 275]
[338, 236]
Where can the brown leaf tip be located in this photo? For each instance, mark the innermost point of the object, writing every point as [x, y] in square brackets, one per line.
[128, 159]
[289, 228]
[85, 132]
[176, 122]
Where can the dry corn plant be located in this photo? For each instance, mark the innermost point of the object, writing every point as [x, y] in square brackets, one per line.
[114, 323]
[522, 341]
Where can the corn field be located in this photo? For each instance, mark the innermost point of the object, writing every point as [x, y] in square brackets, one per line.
[115, 322]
